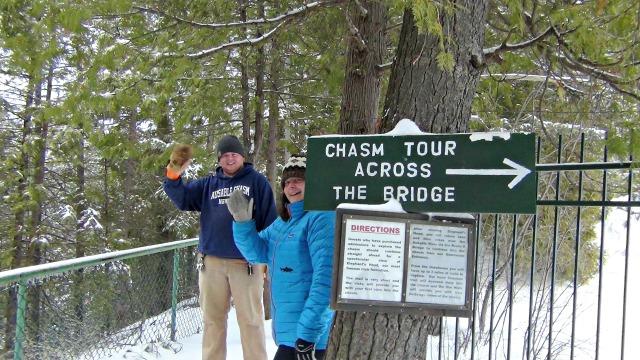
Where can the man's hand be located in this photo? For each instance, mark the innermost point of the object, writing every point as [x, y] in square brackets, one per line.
[179, 160]
[180, 154]
[239, 206]
[305, 350]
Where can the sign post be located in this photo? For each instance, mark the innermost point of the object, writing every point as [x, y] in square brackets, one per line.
[481, 172]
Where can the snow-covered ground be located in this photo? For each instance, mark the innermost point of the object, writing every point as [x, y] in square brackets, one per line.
[190, 348]
[586, 322]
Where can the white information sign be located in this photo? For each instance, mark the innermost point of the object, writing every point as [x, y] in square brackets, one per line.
[437, 271]
[373, 260]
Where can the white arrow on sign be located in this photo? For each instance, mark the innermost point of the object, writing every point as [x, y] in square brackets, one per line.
[516, 169]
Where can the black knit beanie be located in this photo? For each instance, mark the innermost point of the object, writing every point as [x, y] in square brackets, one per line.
[295, 167]
[229, 143]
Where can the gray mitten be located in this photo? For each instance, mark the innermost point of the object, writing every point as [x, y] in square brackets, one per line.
[239, 206]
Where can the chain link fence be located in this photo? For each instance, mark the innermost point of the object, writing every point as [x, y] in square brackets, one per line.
[92, 312]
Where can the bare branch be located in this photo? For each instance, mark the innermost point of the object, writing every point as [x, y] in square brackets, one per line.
[493, 52]
[295, 13]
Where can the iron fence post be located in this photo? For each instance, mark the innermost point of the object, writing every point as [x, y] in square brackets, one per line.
[21, 307]
[174, 293]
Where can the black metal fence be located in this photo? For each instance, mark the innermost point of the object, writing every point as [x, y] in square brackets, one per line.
[563, 283]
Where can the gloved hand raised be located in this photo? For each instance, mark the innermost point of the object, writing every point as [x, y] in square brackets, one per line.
[305, 350]
[179, 160]
[239, 206]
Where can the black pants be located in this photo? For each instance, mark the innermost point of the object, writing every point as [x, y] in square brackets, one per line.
[288, 353]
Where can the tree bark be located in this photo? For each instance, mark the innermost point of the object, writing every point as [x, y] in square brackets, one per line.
[80, 208]
[130, 176]
[365, 53]
[20, 235]
[259, 94]
[369, 335]
[36, 248]
[244, 85]
[275, 68]
[436, 100]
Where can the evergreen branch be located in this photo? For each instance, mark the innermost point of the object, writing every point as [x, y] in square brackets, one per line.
[613, 80]
[298, 12]
[239, 43]
[625, 92]
[585, 66]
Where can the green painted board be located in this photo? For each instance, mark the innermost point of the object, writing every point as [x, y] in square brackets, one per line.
[478, 172]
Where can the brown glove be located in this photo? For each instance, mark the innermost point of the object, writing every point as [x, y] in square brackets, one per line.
[180, 156]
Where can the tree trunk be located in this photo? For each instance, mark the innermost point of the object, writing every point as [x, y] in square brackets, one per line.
[36, 247]
[365, 55]
[275, 68]
[438, 101]
[259, 94]
[244, 85]
[80, 208]
[130, 178]
[20, 236]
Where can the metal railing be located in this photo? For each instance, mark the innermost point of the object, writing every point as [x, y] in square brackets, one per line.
[90, 307]
[557, 284]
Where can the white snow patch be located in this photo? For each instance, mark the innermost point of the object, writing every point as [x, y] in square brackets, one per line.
[190, 348]
[451, 215]
[392, 205]
[405, 127]
[488, 136]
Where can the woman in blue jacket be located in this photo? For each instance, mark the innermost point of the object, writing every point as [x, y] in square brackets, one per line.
[298, 247]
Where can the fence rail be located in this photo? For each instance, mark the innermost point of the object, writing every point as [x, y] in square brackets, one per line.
[172, 286]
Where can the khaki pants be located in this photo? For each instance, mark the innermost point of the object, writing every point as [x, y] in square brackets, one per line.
[219, 281]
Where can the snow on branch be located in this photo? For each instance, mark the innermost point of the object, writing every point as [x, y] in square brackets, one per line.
[532, 77]
[298, 12]
[239, 43]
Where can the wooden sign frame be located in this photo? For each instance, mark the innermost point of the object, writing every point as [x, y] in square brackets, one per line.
[403, 263]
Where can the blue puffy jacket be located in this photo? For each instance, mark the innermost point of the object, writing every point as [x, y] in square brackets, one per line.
[299, 253]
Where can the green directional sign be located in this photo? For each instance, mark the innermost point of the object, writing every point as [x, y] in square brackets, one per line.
[477, 172]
